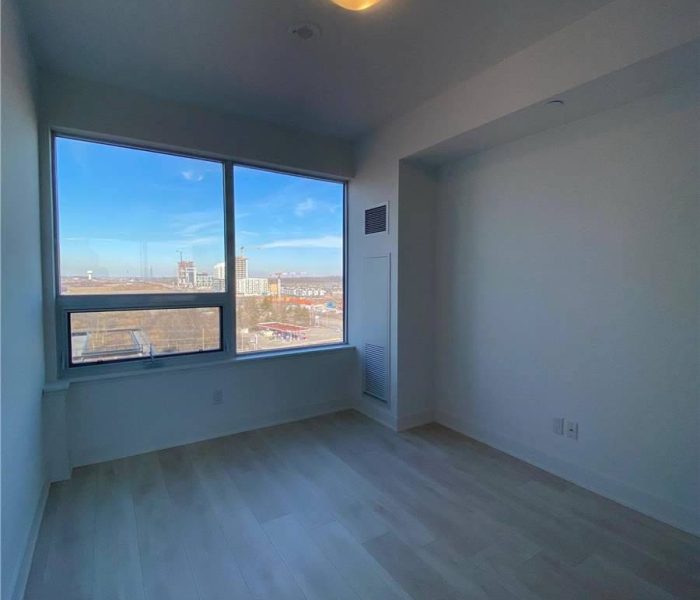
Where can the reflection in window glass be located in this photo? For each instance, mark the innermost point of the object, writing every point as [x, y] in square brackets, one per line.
[108, 336]
[289, 263]
[137, 221]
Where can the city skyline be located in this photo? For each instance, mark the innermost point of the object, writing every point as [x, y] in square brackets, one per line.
[127, 213]
[213, 272]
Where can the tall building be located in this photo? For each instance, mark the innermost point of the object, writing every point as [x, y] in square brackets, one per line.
[186, 274]
[218, 283]
[220, 270]
[241, 267]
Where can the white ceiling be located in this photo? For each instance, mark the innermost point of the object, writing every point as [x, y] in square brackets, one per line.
[238, 55]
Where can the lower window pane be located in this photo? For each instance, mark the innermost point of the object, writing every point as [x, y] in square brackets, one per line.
[115, 335]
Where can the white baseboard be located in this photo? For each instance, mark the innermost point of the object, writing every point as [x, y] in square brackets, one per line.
[619, 491]
[377, 410]
[415, 419]
[288, 416]
[380, 412]
[28, 553]
[246, 424]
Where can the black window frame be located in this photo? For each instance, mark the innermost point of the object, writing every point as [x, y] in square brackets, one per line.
[225, 301]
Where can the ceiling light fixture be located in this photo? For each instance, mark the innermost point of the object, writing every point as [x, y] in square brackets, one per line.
[356, 4]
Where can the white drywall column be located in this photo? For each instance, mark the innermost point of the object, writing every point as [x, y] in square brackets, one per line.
[56, 435]
[23, 480]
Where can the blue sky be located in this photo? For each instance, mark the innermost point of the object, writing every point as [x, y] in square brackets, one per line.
[122, 208]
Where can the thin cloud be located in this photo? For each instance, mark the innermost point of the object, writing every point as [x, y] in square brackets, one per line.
[191, 175]
[304, 207]
[210, 240]
[326, 241]
[197, 227]
[95, 239]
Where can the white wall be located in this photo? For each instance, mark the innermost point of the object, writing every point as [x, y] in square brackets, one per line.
[569, 287]
[109, 110]
[22, 376]
[605, 49]
[118, 417]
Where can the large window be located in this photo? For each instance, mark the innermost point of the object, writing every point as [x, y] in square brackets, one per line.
[289, 268]
[153, 260]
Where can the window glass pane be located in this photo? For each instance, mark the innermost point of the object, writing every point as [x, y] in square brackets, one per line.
[128, 334]
[137, 221]
[289, 263]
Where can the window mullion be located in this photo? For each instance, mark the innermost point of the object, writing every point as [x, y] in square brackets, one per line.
[229, 316]
[140, 301]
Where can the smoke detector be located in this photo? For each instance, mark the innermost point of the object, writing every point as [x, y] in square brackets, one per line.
[305, 31]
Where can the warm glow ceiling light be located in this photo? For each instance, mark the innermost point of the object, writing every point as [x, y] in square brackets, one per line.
[356, 4]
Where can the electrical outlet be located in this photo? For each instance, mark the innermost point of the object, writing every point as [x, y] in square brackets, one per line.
[572, 430]
[558, 425]
[218, 397]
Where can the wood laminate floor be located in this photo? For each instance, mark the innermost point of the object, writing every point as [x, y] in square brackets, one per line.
[338, 507]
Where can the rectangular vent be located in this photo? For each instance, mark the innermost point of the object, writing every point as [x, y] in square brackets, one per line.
[375, 371]
[375, 219]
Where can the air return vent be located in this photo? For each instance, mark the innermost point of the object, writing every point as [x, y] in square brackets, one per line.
[375, 371]
[375, 219]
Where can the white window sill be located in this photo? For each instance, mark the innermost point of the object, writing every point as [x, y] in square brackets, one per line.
[175, 363]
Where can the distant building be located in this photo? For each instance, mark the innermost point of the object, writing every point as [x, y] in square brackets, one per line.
[304, 291]
[252, 286]
[279, 286]
[220, 270]
[186, 274]
[204, 280]
[241, 267]
[218, 283]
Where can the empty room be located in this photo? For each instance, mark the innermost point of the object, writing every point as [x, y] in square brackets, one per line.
[350, 299]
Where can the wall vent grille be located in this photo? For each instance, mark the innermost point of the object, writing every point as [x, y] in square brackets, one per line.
[375, 371]
[375, 219]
